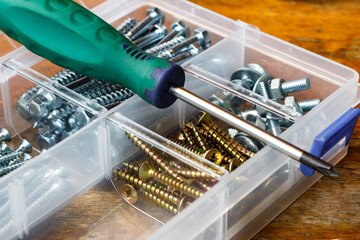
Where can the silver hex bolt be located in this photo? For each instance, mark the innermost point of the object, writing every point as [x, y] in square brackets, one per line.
[280, 88]
[158, 32]
[307, 105]
[4, 135]
[291, 103]
[178, 28]
[194, 50]
[154, 16]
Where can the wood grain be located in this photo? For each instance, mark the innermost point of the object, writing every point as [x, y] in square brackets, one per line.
[328, 210]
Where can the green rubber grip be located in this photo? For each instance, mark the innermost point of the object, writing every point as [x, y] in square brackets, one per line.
[73, 37]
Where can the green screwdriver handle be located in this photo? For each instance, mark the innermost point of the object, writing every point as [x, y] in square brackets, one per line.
[73, 37]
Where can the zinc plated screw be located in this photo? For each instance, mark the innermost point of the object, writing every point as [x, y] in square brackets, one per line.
[273, 124]
[16, 164]
[178, 28]
[146, 172]
[190, 138]
[198, 137]
[165, 46]
[150, 187]
[24, 147]
[233, 165]
[154, 156]
[158, 32]
[4, 148]
[154, 16]
[4, 135]
[125, 26]
[200, 36]
[193, 174]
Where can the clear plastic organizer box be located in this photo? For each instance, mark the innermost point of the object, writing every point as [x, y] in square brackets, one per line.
[239, 203]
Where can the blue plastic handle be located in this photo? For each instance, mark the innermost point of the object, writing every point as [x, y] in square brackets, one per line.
[340, 128]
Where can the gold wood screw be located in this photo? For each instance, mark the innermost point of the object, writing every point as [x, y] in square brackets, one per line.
[146, 172]
[154, 156]
[188, 135]
[198, 137]
[161, 203]
[193, 174]
[129, 193]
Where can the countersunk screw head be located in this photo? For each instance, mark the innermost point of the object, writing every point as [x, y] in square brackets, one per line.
[144, 171]
[184, 202]
[214, 155]
[4, 148]
[5, 135]
[24, 146]
[129, 193]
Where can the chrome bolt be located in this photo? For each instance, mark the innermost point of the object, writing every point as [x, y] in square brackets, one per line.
[177, 29]
[307, 105]
[291, 103]
[128, 24]
[154, 16]
[158, 32]
[193, 50]
[280, 89]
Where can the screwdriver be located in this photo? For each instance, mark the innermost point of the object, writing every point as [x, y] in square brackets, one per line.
[72, 37]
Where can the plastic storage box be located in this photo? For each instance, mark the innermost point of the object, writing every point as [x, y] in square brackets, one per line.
[241, 202]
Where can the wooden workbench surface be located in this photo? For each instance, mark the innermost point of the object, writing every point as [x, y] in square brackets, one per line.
[328, 210]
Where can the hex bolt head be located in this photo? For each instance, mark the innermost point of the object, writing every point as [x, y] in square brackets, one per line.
[203, 37]
[22, 107]
[275, 88]
[181, 28]
[5, 135]
[156, 13]
[291, 103]
[37, 109]
[46, 141]
[81, 118]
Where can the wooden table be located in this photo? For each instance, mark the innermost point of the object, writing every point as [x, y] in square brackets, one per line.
[328, 210]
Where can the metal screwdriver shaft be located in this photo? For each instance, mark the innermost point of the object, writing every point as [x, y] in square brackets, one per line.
[274, 142]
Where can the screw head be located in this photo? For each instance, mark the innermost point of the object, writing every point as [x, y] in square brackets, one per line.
[275, 88]
[156, 13]
[184, 202]
[5, 135]
[234, 164]
[129, 193]
[24, 146]
[181, 27]
[37, 109]
[248, 142]
[214, 155]
[203, 36]
[4, 148]
[144, 170]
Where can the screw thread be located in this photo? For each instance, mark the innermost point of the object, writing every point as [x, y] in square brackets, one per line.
[193, 174]
[309, 104]
[198, 137]
[66, 76]
[296, 85]
[263, 89]
[161, 203]
[10, 156]
[176, 184]
[169, 37]
[126, 25]
[183, 144]
[165, 46]
[189, 136]
[154, 156]
[7, 169]
[148, 187]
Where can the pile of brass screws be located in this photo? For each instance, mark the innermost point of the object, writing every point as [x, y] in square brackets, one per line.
[169, 183]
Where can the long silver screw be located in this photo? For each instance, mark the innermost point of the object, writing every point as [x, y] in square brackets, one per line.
[24, 147]
[125, 26]
[200, 36]
[154, 16]
[157, 34]
[177, 29]
[4, 135]
[16, 163]
[165, 46]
